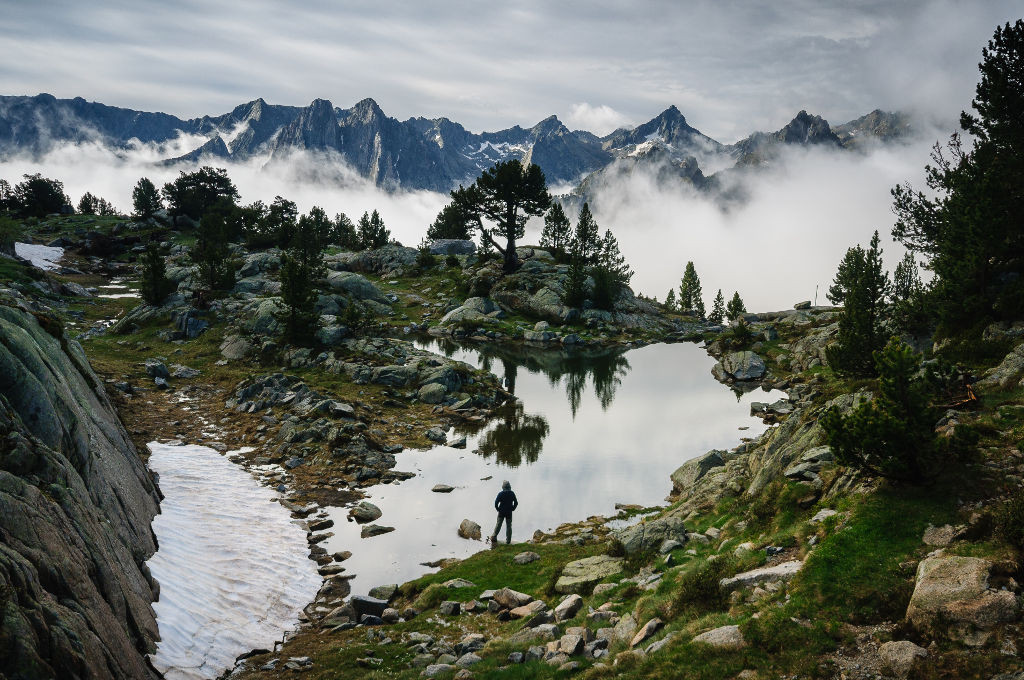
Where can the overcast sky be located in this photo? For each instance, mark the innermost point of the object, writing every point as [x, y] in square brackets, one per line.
[730, 67]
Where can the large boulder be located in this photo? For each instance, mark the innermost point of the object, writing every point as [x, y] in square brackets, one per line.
[741, 366]
[952, 597]
[582, 574]
[649, 535]
[265, 318]
[356, 285]
[469, 529]
[690, 472]
[723, 637]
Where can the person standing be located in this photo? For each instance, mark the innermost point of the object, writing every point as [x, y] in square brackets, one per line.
[504, 503]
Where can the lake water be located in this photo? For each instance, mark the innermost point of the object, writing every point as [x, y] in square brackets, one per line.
[233, 567]
[591, 429]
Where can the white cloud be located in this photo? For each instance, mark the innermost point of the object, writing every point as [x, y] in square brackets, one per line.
[600, 119]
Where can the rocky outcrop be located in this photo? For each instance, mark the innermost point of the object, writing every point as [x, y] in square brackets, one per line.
[76, 504]
[1008, 374]
[952, 597]
[649, 535]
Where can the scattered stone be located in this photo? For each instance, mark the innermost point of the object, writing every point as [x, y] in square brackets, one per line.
[458, 442]
[657, 646]
[468, 659]
[602, 588]
[941, 536]
[823, 515]
[470, 530]
[571, 644]
[156, 369]
[436, 434]
[648, 630]
[364, 604]
[384, 592]
[434, 670]
[371, 530]
[581, 574]
[779, 572]
[185, 372]
[527, 610]
[526, 557]
[364, 511]
[899, 656]
[442, 488]
[568, 607]
[450, 608]
[508, 598]
[803, 304]
[728, 637]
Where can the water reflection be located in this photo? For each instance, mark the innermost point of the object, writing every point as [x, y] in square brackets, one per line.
[516, 436]
[604, 367]
[590, 430]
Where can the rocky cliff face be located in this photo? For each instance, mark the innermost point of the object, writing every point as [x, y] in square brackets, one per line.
[76, 504]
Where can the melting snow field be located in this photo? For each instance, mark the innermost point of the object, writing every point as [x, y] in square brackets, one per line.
[232, 566]
[44, 257]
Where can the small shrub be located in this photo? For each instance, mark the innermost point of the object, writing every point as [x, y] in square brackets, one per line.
[763, 507]
[432, 595]
[615, 548]
[452, 261]
[698, 591]
[425, 259]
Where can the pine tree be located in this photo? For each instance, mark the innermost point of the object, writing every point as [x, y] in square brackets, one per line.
[735, 309]
[587, 239]
[453, 222]
[344, 232]
[847, 276]
[718, 309]
[969, 224]
[145, 199]
[155, 284]
[892, 436]
[299, 296]
[860, 322]
[372, 233]
[576, 281]
[280, 221]
[301, 267]
[211, 252]
[908, 302]
[691, 297]
[670, 300]
[87, 204]
[610, 272]
[557, 232]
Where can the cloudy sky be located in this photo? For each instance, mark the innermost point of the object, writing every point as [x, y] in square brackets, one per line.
[731, 67]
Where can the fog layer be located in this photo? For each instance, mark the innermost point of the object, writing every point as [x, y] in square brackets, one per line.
[776, 248]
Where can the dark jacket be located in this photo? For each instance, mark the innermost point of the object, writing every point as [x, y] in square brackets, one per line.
[506, 502]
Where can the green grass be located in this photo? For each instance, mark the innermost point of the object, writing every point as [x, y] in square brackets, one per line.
[854, 574]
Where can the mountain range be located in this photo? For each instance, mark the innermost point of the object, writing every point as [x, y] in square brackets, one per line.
[419, 153]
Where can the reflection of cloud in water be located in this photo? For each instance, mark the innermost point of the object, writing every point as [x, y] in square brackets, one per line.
[666, 408]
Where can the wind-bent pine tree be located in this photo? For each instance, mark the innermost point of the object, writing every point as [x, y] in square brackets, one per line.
[507, 195]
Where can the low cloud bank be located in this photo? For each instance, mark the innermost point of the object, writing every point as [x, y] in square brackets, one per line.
[781, 246]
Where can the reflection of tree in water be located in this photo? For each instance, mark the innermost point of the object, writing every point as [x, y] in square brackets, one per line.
[517, 438]
[604, 367]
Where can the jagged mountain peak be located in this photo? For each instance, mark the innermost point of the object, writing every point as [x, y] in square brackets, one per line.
[548, 126]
